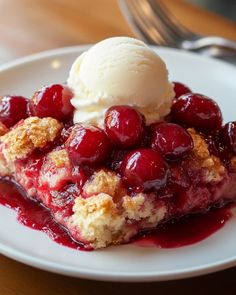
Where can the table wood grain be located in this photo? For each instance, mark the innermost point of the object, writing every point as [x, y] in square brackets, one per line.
[29, 26]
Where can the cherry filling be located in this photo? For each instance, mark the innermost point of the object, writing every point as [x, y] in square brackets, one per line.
[197, 110]
[153, 159]
[34, 215]
[52, 101]
[144, 169]
[180, 89]
[88, 145]
[171, 140]
[13, 109]
[186, 231]
[228, 136]
[124, 126]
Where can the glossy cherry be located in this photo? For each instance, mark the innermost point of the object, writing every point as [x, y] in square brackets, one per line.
[144, 169]
[228, 136]
[197, 110]
[124, 126]
[180, 89]
[13, 109]
[171, 140]
[88, 145]
[52, 101]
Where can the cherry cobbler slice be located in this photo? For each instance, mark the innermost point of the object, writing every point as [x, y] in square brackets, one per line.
[105, 186]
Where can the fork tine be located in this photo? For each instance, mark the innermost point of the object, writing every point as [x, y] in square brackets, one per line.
[168, 35]
[169, 19]
[154, 22]
[150, 29]
[152, 36]
[157, 25]
[153, 25]
[131, 19]
[143, 19]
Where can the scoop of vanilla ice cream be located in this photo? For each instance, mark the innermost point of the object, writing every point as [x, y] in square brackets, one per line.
[119, 71]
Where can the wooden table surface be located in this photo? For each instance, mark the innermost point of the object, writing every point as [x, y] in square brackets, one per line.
[28, 26]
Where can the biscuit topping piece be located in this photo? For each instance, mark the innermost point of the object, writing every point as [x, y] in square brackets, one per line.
[28, 135]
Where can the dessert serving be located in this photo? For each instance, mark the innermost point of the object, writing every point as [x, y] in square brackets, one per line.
[119, 150]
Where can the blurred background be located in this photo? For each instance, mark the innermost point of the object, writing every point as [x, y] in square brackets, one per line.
[226, 8]
[29, 26]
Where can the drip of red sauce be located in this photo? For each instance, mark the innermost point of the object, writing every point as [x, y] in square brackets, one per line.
[34, 215]
[186, 231]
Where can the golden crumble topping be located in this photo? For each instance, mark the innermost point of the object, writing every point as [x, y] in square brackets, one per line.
[214, 170]
[143, 207]
[101, 221]
[98, 220]
[133, 206]
[29, 134]
[106, 182]
[200, 147]
[60, 158]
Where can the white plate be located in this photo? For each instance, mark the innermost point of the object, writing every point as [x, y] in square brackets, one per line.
[122, 263]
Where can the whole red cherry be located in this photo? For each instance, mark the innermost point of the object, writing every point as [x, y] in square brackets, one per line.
[197, 110]
[171, 140]
[145, 169]
[88, 145]
[228, 136]
[52, 101]
[13, 109]
[180, 89]
[125, 126]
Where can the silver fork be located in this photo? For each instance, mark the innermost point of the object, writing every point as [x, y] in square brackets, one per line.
[152, 20]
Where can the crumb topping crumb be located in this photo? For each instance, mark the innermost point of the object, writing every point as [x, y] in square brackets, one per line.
[60, 158]
[101, 221]
[29, 134]
[142, 206]
[214, 170]
[98, 220]
[200, 147]
[107, 182]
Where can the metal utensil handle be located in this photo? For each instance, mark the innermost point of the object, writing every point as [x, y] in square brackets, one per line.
[209, 41]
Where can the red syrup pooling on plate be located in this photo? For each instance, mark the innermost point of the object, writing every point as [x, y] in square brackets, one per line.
[34, 215]
[188, 230]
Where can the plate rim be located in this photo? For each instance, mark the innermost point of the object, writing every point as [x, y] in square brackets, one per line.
[117, 276]
[80, 48]
[103, 275]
